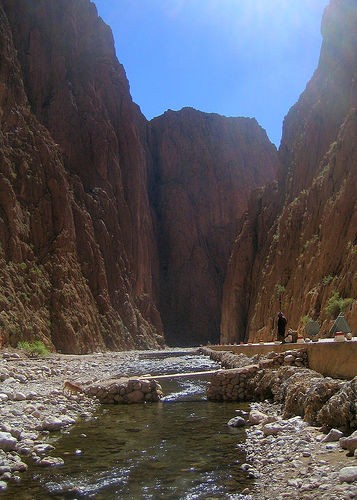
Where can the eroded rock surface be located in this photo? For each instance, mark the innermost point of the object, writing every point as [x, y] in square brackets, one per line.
[299, 234]
[76, 234]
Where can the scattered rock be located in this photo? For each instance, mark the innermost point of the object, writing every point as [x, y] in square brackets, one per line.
[257, 417]
[51, 462]
[7, 441]
[43, 448]
[237, 422]
[51, 424]
[333, 435]
[350, 442]
[274, 428]
[348, 474]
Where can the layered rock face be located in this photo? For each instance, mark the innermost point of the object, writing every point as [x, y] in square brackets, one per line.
[298, 244]
[79, 261]
[77, 241]
[205, 166]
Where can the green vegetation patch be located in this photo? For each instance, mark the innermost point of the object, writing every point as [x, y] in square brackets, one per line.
[34, 349]
[337, 304]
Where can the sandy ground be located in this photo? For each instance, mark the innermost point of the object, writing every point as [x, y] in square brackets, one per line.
[292, 464]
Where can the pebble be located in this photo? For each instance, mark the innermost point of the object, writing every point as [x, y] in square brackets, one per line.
[42, 407]
[273, 458]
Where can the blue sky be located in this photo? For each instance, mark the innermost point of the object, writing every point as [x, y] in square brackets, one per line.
[232, 57]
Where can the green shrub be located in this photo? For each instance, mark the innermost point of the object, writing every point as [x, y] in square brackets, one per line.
[326, 280]
[34, 349]
[337, 304]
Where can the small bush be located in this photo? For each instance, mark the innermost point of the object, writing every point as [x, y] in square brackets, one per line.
[36, 348]
[337, 304]
[326, 280]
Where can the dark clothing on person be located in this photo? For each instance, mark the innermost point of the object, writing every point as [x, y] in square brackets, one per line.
[281, 326]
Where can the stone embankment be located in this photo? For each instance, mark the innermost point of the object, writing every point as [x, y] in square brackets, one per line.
[286, 379]
[125, 391]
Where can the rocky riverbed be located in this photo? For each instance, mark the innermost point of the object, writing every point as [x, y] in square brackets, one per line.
[33, 403]
[288, 457]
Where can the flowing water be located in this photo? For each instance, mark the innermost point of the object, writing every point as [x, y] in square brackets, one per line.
[179, 448]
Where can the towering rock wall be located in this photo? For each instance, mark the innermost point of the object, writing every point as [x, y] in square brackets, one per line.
[205, 166]
[299, 242]
[76, 231]
[79, 262]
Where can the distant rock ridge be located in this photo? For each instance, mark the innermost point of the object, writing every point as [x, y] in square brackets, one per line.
[299, 237]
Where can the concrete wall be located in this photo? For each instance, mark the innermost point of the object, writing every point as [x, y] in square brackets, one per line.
[331, 359]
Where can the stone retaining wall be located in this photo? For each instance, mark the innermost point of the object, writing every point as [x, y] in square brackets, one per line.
[125, 391]
[231, 385]
[322, 401]
[234, 384]
[331, 359]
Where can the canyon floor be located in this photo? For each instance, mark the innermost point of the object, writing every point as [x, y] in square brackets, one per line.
[295, 463]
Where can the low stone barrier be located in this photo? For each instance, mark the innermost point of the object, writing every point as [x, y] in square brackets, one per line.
[330, 403]
[125, 390]
[229, 359]
[235, 384]
[231, 385]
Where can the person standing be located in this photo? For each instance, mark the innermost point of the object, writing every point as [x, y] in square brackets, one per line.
[281, 326]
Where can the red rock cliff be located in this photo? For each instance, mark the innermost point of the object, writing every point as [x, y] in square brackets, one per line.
[79, 261]
[77, 242]
[299, 237]
[205, 165]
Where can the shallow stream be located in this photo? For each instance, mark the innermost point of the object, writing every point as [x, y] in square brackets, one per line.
[179, 448]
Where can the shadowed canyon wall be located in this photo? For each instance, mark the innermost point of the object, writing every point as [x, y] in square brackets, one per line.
[298, 242]
[115, 230]
[205, 166]
[77, 238]
[84, 254]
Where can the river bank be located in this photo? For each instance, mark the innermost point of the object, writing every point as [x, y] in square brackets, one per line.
[293, 463]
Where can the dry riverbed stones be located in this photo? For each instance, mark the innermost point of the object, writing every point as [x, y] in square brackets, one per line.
[291, 459]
